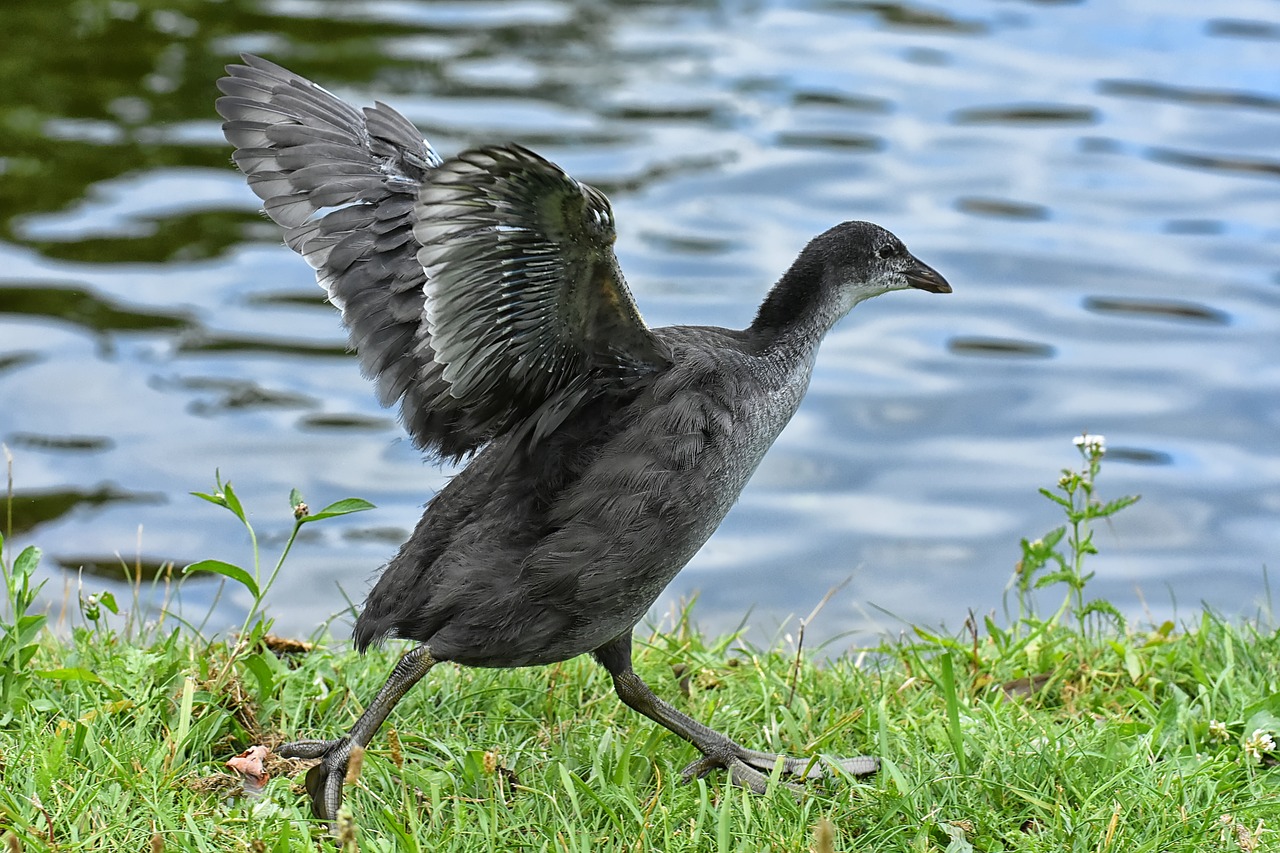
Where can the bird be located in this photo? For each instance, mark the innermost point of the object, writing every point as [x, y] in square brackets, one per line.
[482, 295]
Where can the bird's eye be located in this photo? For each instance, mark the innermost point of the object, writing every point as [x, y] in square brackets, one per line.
[886, 252]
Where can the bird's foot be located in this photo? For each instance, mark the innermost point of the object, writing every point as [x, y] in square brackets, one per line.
[750, 769]
[324, 780]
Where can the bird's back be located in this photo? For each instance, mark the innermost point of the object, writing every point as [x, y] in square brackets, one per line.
[549, 554]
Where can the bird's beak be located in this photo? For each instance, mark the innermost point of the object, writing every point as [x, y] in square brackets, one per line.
[925, 277]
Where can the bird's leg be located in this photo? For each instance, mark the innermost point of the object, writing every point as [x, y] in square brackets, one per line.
[746, 767]
[324, 781]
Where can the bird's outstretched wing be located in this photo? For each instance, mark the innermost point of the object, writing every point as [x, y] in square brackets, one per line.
[525, 302]
[481, 292]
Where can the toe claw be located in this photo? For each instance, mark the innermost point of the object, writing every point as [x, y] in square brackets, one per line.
[314, 782]
[324, 780]
[750, 769]
[698, 769]
[744, 775]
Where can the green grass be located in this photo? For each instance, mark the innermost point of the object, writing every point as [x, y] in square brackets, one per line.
[1073, 731]
[124, 741]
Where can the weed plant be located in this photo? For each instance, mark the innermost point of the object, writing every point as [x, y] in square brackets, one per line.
[1074, 731]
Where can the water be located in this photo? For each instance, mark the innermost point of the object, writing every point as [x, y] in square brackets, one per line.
[1098, 181]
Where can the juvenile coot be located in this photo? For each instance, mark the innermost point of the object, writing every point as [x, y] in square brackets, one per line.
[482, 293]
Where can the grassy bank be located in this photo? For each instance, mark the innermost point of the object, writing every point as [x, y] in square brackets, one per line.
[1065, 731]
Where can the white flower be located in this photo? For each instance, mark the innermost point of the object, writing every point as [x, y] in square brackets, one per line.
[1259, 743]
[1218, 731]
[1092, 443]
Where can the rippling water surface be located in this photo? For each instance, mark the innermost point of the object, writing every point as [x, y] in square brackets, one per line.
[1099, 181]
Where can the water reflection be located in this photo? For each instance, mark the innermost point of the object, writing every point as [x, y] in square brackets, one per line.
[1242, 29]
[1026, 114]
[346, 422]
[1002, 208]
[1196, 160]
[999, 347]
[116, 568]
[84, 308]
[68, 443]
[233, 394]
[1098, 182]
[1139, 456]
[215, 342]
[35, 507]
[907, 15]
[1157, 309]
[1187, 95]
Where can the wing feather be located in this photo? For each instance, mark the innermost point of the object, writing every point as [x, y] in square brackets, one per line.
[481, 292]
[524, 293]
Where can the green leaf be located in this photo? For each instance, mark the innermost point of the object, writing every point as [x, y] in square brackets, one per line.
[891, 769]
[185, 708]
[997, 634]
[233, 502]
[1133, 664]
[27, 562]
[724, 827]
[957, 842]
[259, 630]
[70, 674]
[108, 601]
[345, 506]
[236, 573]
[262, 673]
[939, 639]
[1268, 706]
[1061, 501]
[1103, 607]
[1264, 720]
[26, 628]
[947, 684]
[1118, 504]
[1055, 577]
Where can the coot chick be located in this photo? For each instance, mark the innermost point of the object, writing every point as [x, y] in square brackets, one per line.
[482, 294]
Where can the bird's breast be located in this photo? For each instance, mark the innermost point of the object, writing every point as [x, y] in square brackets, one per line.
[659, 489]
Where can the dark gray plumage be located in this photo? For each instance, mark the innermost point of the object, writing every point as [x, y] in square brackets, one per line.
[483, 294]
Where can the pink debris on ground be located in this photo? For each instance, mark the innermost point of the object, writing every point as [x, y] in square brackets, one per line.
[249, 764]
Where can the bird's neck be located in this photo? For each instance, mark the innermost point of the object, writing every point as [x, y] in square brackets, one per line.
[799, 310]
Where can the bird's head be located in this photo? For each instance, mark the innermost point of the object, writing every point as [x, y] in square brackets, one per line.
[862, 260]
[839, 268]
